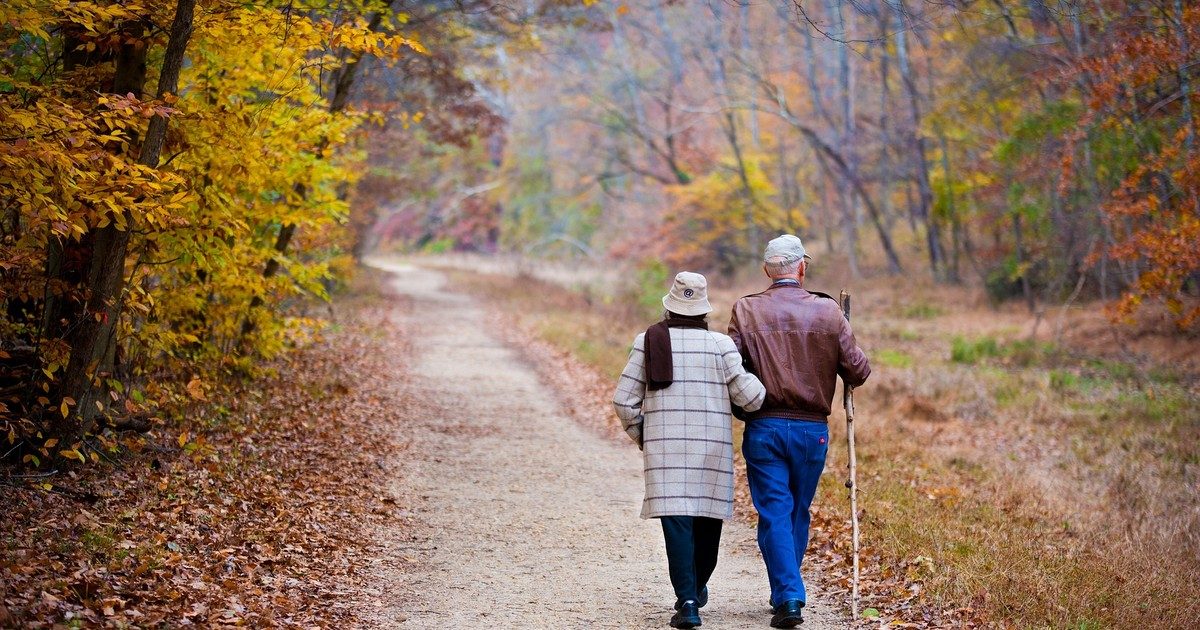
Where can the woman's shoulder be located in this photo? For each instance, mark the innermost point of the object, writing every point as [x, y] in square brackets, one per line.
[720, 337]
[721, 341]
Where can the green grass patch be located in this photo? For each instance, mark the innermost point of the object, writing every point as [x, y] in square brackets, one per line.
[1020, 353]
[893, 358]
[922, 310]
[973, 351]
[1112, 369]
[97, 542]
[888, 333]
[1152, 404]
[1028, 353]
[1063, 381]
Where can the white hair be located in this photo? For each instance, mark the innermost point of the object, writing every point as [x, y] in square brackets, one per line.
[778, 266]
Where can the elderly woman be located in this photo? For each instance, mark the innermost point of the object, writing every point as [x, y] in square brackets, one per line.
[673, 399]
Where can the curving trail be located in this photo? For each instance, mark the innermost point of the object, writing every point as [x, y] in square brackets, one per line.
[517, 516]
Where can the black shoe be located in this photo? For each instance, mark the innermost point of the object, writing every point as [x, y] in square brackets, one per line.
[787, 614]
[688, 616]
[701, 599]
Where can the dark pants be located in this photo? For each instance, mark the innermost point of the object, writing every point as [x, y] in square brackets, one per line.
[692, 543]
[784, 459]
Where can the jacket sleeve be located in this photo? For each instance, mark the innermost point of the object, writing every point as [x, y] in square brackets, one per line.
[735, 330]
[853, 366]
[631, 390]
[745, 390]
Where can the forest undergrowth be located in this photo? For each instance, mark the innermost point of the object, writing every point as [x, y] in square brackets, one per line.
[253, 507]
[1013, 474]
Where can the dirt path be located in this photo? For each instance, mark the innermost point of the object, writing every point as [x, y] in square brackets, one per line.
[517, 516]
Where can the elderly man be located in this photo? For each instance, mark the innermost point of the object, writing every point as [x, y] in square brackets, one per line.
[797, 342]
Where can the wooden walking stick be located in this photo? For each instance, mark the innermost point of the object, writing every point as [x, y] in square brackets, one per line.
[851, 485]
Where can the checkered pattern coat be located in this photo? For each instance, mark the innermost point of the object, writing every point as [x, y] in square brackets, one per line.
[686, 430]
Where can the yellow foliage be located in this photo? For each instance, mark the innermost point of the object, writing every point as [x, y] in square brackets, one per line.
[717, 217]
[253, 149]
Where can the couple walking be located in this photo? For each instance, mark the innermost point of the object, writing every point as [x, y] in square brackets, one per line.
[776, 370]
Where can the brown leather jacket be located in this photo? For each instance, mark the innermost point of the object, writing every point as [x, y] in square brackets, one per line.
[797, 343]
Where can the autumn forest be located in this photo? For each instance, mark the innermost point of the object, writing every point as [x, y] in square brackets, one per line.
[220, 222]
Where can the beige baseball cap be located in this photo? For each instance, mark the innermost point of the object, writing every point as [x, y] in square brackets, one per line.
[688, 295]
[785, 249]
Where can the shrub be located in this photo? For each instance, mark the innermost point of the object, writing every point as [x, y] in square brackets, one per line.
[967, 351]
[652, 277]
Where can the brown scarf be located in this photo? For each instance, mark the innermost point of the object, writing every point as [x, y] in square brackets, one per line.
[660, 370]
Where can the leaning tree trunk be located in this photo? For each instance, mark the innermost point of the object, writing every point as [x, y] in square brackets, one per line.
[89, 340]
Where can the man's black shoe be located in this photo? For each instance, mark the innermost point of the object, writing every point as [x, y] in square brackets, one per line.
[688, 616]
[787, 614]
[701, 599]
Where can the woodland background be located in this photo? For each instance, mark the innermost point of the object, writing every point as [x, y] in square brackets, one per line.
[184, 184]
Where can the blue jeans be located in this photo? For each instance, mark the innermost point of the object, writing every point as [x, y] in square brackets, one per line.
[784, 460]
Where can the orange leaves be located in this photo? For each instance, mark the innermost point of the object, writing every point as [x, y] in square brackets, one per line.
[1152, 215]
[131, 105]
[195, 389]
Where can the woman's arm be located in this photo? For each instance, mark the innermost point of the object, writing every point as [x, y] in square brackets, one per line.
[745, 390]
[631, 390]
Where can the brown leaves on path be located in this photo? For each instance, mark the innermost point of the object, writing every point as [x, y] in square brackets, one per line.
[256, 512]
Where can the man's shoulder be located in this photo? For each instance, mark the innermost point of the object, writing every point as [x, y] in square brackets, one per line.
[765, 293]
[746, 299]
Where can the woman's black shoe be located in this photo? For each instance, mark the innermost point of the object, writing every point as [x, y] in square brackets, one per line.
[688, 616]
[788, 615]
[701, 599]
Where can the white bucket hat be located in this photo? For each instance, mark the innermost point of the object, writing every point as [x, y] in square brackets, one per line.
[688, 295]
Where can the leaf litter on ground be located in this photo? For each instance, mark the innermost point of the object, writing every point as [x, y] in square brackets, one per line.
[260, 518]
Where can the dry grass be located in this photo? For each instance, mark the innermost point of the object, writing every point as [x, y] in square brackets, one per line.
[1044, 482]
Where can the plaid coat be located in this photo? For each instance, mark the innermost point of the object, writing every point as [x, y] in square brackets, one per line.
[686, 430]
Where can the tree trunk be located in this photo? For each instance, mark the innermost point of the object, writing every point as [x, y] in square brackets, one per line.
[729, 125]
[885, 138]
[68, 261]
[846, 137]
[919, 150]
[90, 338]
[745, 49]
[1018, 236]
[951, 210]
